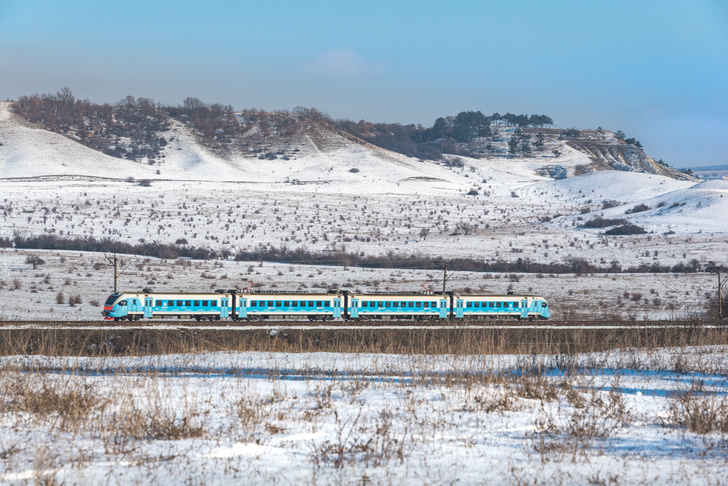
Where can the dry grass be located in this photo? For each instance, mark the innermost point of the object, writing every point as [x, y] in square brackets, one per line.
[457, 341]
[699, 411]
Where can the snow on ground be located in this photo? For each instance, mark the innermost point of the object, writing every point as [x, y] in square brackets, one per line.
[488, 210]
[274, 418]
[44, 292]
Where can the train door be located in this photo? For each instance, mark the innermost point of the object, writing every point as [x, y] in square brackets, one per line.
[337, 307]
[524, 309]
[459, 308]
[224, 309]
[354, 308]
[443, 308]
[243, 310]
[148, 302]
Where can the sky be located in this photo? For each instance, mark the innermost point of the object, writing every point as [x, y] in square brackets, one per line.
[655, 69]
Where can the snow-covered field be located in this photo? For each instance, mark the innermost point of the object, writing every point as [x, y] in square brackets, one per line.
[650, 416]
[488, 210]
[45, 292]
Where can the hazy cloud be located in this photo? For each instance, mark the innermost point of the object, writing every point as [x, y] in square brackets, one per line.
[342, 63]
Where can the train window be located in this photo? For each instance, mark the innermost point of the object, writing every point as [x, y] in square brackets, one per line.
[319, 303]
[188, 303]
[470, 304]
[158, 303]
[278, 303]
[287, 303]
[294, 303]
[213, 303]
[419, 304]
[387, 304]
[327, 303]
[395, 304]
[197, 303]
[498, 304]
[410, 304]
[515, 305]
[180, 303]
[122, 303]
[433, 304]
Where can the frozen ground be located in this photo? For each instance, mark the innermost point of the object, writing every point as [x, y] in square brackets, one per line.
[486, 210]
[621, 417]
[45, 292]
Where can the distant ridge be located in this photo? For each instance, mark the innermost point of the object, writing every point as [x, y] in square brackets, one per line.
[707, 168]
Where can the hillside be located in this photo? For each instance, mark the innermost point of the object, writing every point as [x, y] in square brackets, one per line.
[188, 138]
[315, 189]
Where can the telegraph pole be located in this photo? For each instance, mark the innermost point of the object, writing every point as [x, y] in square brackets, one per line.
[114, 262]
[445, 277]
[721, 282]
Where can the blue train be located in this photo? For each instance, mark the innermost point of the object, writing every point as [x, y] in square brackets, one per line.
[236, 305]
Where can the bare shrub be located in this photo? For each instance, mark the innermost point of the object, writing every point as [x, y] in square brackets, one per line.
[595, 418]
[74, 300]
[699, 413]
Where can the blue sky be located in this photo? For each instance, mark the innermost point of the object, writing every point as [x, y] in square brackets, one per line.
[656, 69]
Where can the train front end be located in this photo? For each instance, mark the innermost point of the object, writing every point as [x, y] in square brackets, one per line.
[115, 308]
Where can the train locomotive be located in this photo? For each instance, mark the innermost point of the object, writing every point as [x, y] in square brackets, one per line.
[335, 304]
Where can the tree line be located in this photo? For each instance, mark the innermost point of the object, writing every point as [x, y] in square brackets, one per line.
[142, 122]
[304, 256]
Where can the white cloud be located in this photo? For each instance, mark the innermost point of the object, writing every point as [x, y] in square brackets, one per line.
[342, 63]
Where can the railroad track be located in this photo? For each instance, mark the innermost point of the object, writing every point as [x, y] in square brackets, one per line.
[351, 325]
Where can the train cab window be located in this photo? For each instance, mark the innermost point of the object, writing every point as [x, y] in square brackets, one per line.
[110, 300]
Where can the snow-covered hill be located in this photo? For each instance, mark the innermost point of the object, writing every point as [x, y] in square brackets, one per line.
[331, 191]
